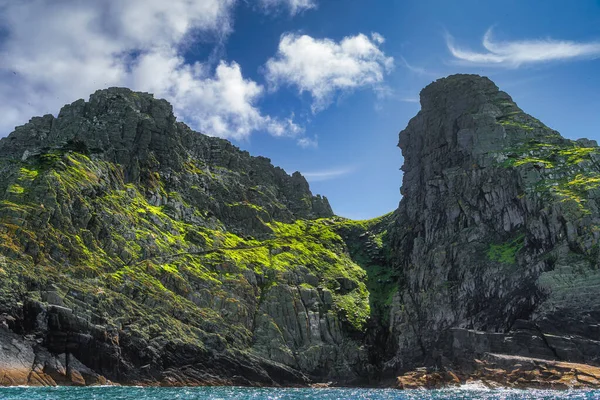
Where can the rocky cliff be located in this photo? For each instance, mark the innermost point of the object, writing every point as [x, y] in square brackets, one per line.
[136, 250]
[496, 236]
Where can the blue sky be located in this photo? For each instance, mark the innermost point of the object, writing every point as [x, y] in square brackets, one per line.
[319, 86]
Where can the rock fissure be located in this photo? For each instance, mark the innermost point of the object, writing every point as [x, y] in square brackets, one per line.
[547, 344]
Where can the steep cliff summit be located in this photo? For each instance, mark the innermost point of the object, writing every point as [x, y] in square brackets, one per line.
[496, 231]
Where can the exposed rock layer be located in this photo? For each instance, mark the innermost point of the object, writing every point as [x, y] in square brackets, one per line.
[498, 370]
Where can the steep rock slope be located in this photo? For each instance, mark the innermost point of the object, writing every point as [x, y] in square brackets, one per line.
[497, 232]
[137, 250]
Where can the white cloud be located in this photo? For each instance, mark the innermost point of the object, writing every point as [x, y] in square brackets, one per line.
[513, 54]
[325, 175]
[410, 99]
[323, 67]
[377, 38]
[294, 6]
[221, 105]
[418, 70]
[58, 51]
[306, 142]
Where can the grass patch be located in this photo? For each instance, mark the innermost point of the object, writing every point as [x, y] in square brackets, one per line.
[16, 189]
[506, 252]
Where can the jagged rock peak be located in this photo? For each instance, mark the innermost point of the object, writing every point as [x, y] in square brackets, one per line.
[465, 120]
[141, 134]
[497, 211]
[113, 121]
[461, 93]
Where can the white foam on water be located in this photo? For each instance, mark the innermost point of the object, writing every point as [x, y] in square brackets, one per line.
[476, 385]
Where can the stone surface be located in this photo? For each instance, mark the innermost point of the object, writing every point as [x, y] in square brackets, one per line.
[136, 249]
[500, 370]
[496, 233]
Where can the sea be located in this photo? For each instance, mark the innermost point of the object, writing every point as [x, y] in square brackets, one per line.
[238, 393]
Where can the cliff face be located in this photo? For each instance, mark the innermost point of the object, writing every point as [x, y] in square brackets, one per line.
[136, 250]
[497, 232]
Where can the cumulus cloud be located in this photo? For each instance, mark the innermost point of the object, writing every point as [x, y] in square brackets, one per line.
[324, 67]
[55, 52]
[513, 54]
[220, 104]
[325, 175]
[294, 6]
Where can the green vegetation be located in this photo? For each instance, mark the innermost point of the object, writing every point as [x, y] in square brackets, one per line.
[506, 252]
[16, 189]
[564, 163]
[316, 245]
[508, 122]
[247, 204]
[367, 245]
[143, 266]
[27, 174]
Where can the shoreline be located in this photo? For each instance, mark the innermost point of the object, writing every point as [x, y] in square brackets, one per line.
[470, 385]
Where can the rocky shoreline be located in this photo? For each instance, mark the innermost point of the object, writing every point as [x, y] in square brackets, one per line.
[24, 362]
[505, 371]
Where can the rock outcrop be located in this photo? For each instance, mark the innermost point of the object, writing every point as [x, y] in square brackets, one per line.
[496, 232]
[499, 370]
[135, 250]
[153, 254]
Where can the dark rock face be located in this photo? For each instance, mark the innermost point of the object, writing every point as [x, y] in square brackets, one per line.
[497, 229]
[141, 135]
[144, 252]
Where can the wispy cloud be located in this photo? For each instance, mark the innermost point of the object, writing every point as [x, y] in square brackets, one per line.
[409, 99]
[513, 54]
[385, 93]
[306, 142]
[415, 69]
[294, 6]
[326, 175]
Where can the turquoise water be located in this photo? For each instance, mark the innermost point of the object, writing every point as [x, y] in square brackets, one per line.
[218, 393]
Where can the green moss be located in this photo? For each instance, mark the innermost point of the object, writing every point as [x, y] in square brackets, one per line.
[50, 159]
[532, 160]
[317, 246]
[516, 124]
[506, 252]
[576, 155]
[21, 208]
[16, 189]
[569, 181]
[367, 243]
[27, 174]
[247, 204]
[583, 182]
[575, 189]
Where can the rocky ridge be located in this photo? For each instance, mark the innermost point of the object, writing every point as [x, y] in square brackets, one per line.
[135, 250]
[153, 254]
